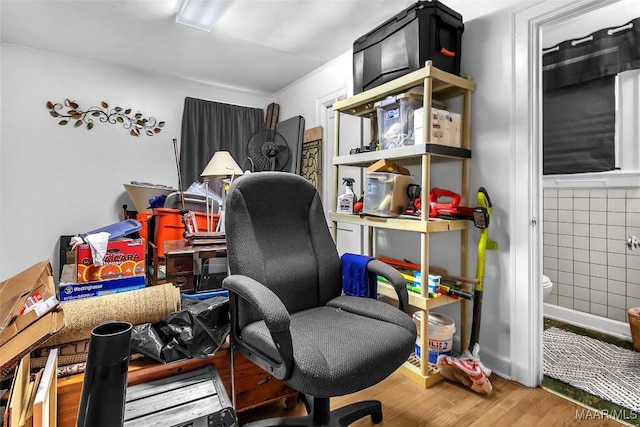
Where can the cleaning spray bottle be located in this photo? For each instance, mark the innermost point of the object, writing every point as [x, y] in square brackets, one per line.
[346, 201]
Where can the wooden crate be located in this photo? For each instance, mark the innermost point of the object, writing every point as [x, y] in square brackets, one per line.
[195, 398]
[140, 370]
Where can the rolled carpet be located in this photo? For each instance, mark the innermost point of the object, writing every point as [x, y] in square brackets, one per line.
[150, 304]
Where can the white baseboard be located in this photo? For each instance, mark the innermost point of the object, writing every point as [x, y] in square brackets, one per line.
[588, 321]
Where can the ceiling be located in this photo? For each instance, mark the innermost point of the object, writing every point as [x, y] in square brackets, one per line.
[259, 45]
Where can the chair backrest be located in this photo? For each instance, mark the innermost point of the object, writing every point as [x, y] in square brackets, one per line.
[277, 234]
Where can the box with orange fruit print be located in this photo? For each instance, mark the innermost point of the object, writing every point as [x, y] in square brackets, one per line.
[124, 258]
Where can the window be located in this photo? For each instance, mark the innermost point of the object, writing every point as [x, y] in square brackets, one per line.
[590, 108]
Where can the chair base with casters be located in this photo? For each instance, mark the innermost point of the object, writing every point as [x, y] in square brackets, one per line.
[321, 415]
[288, 313]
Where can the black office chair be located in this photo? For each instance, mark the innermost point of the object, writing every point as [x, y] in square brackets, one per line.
[287, 312]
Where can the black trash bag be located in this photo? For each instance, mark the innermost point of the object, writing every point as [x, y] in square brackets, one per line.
[197, 330]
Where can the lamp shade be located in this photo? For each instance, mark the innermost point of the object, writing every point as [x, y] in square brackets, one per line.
[221, 164]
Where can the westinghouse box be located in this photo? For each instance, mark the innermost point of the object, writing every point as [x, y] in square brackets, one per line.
[124, 257]
[69, 289]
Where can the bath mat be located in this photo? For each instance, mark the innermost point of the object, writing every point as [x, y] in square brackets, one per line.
[599, 368]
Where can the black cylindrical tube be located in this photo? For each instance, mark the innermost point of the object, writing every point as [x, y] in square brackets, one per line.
[105, 378]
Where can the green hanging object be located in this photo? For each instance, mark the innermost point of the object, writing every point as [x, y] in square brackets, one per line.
[70, 112]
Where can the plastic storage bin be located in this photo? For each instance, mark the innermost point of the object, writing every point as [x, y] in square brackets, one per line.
[396, 121]
[386, 194]
[426, 30]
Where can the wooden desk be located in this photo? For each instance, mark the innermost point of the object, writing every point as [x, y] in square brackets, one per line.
[179, 257]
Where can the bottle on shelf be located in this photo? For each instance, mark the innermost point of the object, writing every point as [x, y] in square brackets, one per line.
[346, 201]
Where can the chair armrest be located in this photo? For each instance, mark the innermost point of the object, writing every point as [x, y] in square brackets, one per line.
[395, 278]
[270, 308]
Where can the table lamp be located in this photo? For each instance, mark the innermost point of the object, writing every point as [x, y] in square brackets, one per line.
[221, 165]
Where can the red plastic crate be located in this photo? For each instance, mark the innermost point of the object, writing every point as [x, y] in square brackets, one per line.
[143, 219]
[169, 225]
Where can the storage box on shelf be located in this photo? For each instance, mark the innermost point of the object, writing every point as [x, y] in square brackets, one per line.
[438, 86]
[424, 30]
[386, 193]
[395, 119]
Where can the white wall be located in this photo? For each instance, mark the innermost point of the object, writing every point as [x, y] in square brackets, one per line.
[301, 97]
[613, 15]
[58, 180]
[488, 58]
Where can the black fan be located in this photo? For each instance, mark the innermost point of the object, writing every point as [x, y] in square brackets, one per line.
[268, 150]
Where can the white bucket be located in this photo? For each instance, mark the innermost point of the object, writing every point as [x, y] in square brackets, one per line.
[440, 334]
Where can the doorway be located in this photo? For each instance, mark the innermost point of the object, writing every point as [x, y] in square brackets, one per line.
[528, 188]
[349, 237]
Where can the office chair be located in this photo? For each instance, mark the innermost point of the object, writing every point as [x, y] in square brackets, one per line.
[287, 312]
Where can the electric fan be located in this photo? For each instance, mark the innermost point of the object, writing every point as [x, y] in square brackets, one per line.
[268, 150]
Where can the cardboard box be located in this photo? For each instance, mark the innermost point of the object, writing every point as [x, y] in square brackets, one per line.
[70, 290]
[25, 298]
[384, 165]
[445, 127]
[124, 257]
[29, 312]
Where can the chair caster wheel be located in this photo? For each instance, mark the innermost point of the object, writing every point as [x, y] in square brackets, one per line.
[376, 417]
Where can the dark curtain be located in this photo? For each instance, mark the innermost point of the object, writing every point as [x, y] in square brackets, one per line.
[579, 128]
[579, 98]
[209, 126]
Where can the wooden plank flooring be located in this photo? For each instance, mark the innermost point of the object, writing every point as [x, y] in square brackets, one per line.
[404, 404]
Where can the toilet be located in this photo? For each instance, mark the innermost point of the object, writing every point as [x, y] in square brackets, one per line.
[547, 286]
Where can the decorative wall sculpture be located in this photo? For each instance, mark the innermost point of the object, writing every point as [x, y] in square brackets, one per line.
[135, 123]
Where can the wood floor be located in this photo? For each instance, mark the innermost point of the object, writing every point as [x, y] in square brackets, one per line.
[404, 404]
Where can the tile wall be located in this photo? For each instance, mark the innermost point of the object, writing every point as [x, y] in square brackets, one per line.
[585, 253]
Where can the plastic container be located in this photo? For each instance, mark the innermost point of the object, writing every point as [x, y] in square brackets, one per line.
[119, 229]
[143, 219]
[169, 225]
[386, 194]
[440, 335]
[396, 120]
[426, 30]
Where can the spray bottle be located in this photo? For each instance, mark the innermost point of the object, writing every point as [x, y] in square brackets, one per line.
[346, 201]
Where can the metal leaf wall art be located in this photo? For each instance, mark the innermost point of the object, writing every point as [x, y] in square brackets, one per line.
[69, 112]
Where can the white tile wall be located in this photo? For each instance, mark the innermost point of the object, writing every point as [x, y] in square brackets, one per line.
[585, 253]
